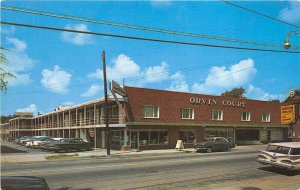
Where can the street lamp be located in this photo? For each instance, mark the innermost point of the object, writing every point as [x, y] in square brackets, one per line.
[287, 44]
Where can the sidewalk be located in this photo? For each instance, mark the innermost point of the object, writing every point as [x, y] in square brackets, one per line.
[101, 153]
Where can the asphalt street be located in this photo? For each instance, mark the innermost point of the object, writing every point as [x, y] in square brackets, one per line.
[219, 170]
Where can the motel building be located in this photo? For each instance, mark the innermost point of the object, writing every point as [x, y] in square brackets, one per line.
[156, 119]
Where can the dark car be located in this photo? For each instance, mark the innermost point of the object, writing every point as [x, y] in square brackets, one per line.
[23, 182]
[68, 144]
[214, 144]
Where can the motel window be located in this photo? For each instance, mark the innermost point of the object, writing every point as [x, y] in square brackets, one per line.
[245, 116]
[217, 115]
[299, 134]
[186, 113]
[150, 112]
[187, 136]
[266, 117]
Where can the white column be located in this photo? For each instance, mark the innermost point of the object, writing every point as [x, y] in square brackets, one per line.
[63, 119]
[84, 116]
[76, 117]
[95, 135]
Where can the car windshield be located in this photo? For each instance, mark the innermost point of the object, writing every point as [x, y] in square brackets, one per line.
[210, 140]
[278, 149]
[64, 140]
[272, 148]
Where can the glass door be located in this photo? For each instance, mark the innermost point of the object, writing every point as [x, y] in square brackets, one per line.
[134, 140]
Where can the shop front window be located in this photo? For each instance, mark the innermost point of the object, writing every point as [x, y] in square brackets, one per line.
[187, 136]
[153, 137]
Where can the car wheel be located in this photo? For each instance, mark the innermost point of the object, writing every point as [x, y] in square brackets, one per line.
[209, 150]
[68, 149]
[228, 149]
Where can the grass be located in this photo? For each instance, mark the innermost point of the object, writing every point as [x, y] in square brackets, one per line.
[62, 156]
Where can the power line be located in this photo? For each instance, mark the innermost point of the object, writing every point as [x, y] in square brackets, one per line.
[261, 14]
[29, 11]
[145, 39]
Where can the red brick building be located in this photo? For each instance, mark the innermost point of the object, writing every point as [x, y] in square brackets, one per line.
[193, 117]
[156, 119]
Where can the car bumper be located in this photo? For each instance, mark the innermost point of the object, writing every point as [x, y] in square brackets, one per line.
[200, 148]
[276, 164]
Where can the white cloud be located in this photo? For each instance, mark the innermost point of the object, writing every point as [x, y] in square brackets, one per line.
[19, 46]
[31, 108]
[77, 38]
[157, 73]
[260, 94]
[8, 30]
[291, 13]
[220, 78]
[18, 62]
[124, 67]
[92, 91]
[20, 80]
[56, 80]
[178, 83]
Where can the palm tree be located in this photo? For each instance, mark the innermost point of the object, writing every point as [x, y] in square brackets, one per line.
[4, 75]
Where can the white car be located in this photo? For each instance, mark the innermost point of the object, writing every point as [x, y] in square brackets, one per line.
[283, 155]
[36, 141]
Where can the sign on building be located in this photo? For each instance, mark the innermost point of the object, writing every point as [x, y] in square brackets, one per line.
[179, 145]
[24, 114]
[288, 114]
[116, 88]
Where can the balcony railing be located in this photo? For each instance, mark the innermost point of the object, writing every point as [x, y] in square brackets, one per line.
[113, 119]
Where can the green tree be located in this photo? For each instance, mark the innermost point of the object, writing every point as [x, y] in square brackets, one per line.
[277, 101]
[4, 74]
[235, 93]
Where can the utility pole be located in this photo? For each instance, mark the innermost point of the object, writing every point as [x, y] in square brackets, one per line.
[105, 106]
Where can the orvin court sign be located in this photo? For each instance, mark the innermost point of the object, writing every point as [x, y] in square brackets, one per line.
[288, 114]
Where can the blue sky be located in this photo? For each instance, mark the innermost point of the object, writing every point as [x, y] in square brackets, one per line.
[58, 68]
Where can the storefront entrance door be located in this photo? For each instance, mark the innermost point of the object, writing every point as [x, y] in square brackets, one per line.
[134, 140]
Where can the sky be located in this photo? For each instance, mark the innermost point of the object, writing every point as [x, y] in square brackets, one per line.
[55, 68]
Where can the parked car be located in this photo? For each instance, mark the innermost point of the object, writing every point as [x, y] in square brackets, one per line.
[214, 144]
[47, 145]
[23, 182]
[26, 139]
[68, 144]
[18, 139]
[283, 155]
[37, 141]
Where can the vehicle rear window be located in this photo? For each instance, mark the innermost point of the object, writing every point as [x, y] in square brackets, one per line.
[295, 151]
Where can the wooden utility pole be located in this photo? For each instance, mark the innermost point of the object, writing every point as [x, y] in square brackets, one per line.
[105, 106]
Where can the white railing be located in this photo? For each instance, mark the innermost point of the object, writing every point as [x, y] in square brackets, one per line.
[113, 119]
